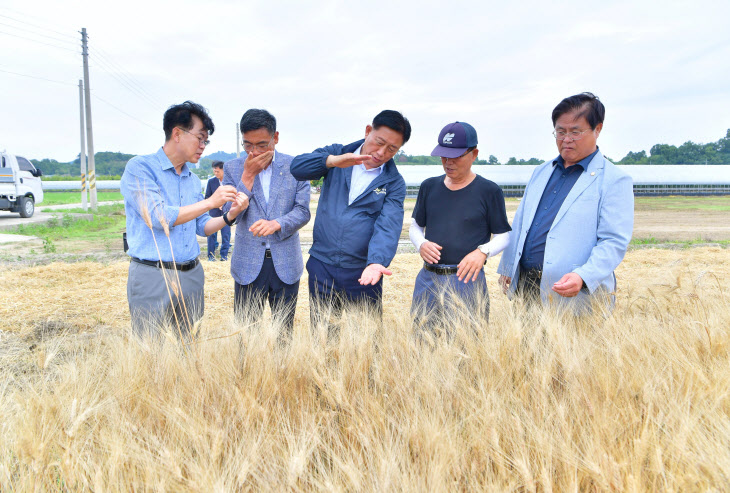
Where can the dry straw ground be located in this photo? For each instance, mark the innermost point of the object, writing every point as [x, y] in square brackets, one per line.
[531, 401]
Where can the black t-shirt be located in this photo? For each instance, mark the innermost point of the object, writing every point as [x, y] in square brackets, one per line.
[460, 220]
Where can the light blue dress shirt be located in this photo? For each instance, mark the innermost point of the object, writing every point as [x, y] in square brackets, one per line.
[151, 183]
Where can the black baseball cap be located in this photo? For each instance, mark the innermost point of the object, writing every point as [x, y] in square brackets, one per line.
[454, 139]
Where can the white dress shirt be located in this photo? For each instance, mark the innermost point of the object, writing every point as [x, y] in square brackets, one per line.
[265, 177]
[362, 177]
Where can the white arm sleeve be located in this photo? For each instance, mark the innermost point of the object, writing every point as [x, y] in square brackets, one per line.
[496, 245]
[415, 232]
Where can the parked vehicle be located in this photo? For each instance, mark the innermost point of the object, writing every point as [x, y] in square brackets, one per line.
[20, 185]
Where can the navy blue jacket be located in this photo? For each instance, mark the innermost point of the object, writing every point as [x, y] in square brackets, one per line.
[363, 233]
[210, 189]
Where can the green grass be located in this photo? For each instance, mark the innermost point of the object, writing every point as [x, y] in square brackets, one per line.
[686, 243]
[104, 228]
[60, 198]
[706, 203]
[78, 177]
[104, 210]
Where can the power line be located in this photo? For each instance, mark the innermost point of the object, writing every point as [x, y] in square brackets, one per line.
[36, 25]
[39, 78]
[70, 84]
[104, 65]
[106, 68]
[40, 42]
[121, 70]
[37, 34]
[124, 112]
[124, 74]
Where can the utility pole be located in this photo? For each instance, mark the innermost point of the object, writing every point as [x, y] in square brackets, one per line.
[82, 154]
[89, 131]
[238, 143]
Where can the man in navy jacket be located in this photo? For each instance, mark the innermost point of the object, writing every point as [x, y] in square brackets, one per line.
[360, 212]
[210, 189]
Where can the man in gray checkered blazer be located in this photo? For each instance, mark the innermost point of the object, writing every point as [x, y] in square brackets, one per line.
[267, 257]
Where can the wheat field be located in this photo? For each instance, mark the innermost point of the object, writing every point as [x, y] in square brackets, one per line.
[531, 401]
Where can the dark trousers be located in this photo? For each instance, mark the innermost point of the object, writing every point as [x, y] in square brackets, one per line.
[249, 299]
[225, 242]
[332, 288]
[528, 285]
[436, 296]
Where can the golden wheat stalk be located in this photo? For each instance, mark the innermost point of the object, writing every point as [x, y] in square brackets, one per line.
[144, 210]
[181, 297]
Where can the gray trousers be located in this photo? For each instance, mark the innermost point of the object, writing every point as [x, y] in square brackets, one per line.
[157, 302]
[436, 295]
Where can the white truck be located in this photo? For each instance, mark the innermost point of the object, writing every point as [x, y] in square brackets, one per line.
[20, 185]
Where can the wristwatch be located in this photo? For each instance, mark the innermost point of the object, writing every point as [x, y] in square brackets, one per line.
[225, 219]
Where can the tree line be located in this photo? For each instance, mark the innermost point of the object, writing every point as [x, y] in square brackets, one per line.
[111, 164]
[688, 153]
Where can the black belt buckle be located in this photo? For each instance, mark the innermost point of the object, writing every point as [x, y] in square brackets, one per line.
[183, 267]
[186, 266]
[442, 271]
[267, 253]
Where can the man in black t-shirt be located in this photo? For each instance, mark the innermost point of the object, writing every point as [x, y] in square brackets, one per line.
[460, 212]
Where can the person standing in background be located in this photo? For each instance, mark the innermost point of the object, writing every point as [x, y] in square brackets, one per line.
[210, 189]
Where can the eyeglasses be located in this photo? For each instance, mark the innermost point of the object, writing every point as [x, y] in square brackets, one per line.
[201, 140]
[471, 149]
[248, 146]
[573, 134]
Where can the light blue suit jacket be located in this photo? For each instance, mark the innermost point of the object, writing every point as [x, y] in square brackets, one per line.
[288, 204]
[589, 236]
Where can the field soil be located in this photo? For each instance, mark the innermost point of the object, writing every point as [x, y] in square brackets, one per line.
[656, 220]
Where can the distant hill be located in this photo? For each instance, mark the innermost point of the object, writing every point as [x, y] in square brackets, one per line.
[107, 163]
[221, 156]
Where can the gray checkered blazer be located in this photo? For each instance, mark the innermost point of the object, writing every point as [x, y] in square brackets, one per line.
[288, 204]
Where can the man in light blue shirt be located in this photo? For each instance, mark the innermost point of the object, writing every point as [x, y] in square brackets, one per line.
[165, 210]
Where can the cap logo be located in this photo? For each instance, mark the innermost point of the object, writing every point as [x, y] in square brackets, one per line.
[447, 138]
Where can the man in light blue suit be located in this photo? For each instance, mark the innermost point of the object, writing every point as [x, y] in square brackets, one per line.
[267, 257]
[574, 223]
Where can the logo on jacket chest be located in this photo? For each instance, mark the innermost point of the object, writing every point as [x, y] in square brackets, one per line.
[379, 191]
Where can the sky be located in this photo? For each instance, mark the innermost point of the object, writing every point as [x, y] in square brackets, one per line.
[326, 68]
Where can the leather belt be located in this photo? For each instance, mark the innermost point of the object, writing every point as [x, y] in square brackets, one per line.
[443, 271]
[267, 253]
[182, 267]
